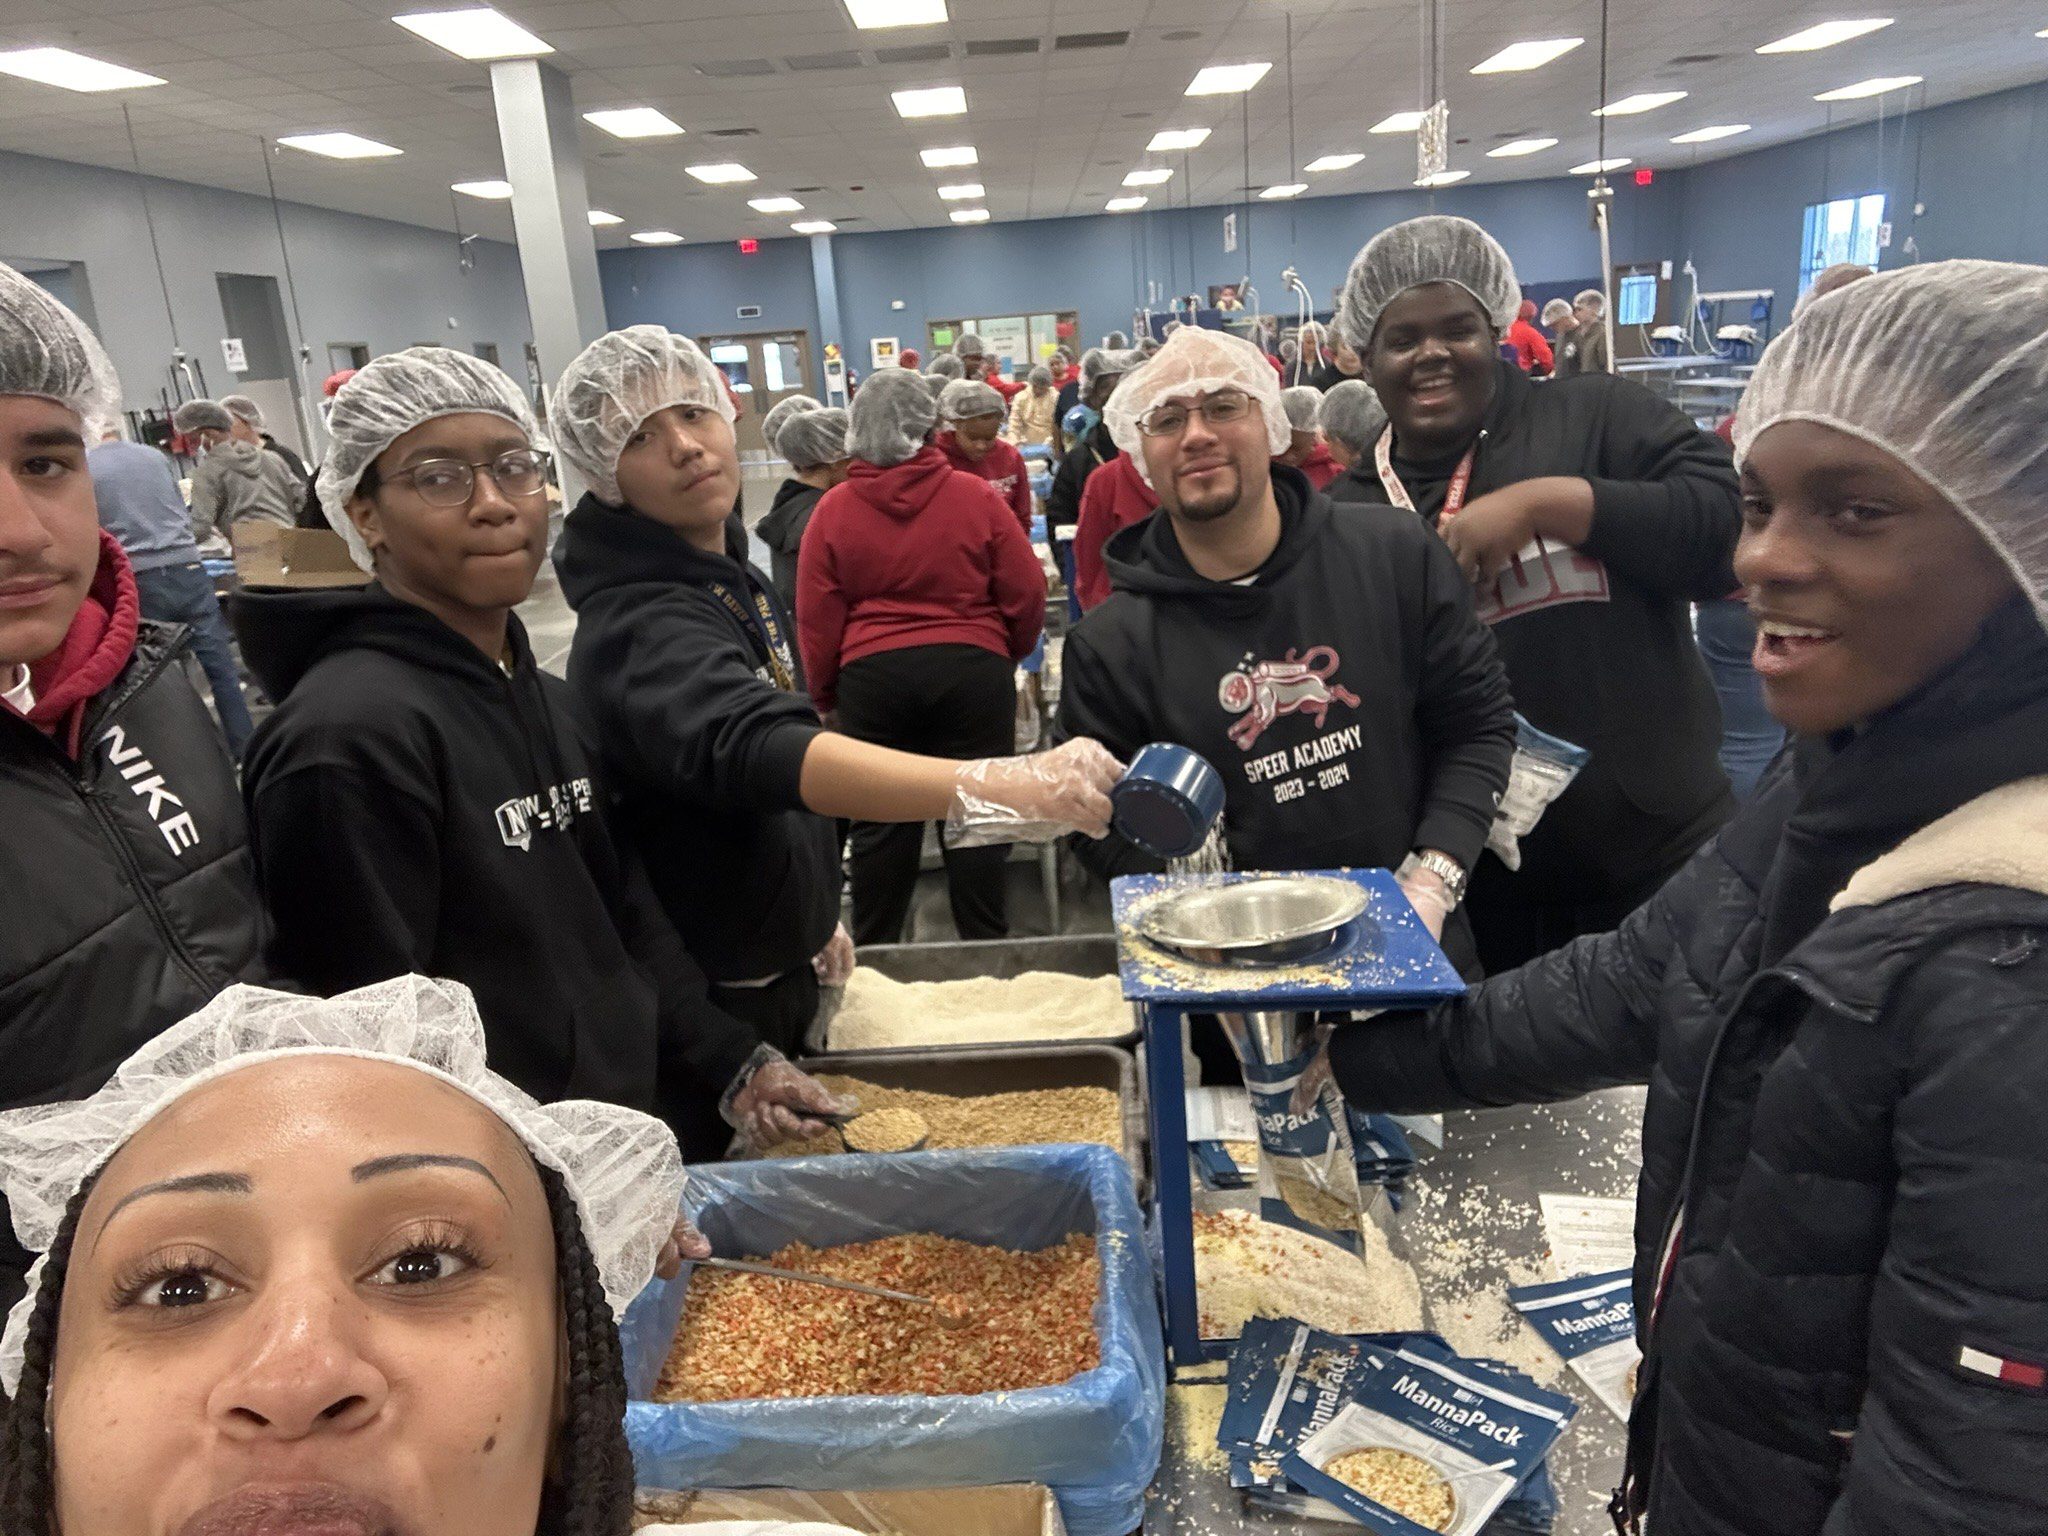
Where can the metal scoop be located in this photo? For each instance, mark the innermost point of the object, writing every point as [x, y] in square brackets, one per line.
[940, 1315]
[840, 1123]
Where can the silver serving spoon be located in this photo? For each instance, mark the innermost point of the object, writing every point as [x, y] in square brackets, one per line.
[944, 1318]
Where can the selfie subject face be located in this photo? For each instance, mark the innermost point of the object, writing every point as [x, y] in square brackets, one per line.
[1432, 363]
[1207, 470]
[681, 468]
[49, 527]
[1864, 580]
[315, 1295]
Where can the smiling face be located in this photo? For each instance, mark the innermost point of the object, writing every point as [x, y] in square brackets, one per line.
[1864, 580]
[1433, 361]
[681, 468]
[314, 1296]
[1207, 470]
[977, 435]
[49, 528]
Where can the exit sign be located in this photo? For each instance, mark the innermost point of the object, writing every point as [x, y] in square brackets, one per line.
[1644, 176]
[749, 247]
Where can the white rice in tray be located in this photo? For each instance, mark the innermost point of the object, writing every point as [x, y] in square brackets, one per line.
[878, 1013]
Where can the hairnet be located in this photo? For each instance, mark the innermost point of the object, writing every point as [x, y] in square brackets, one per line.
[1116, 341]
[1196, 362]
[1103, 363]
[614, 385]
[1039, 377]
[1148, 346]
[781, 411]
[892, 414]
[202, 416]
[46, 351]
[1290, 349]
[812, 438]
[965, 399]
[935, 384]
[242, 408]
[970, 345]
[1945, 368]
[621, 1167]
[948, 366]
[1352, 415]
[1591, 297]
[1436, 248]
[386, 399]
[1301, 403]
[1556, 310]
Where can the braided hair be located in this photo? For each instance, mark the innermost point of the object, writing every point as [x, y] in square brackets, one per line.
[591, 1493]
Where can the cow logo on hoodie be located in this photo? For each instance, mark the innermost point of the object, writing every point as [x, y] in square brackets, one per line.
[1263, 691]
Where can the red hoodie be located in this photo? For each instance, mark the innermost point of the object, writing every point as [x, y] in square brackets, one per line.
[1113, 499]
[1532, 352]
[1002, 467]
[1320, 466]
[93, 652]
[915, 554]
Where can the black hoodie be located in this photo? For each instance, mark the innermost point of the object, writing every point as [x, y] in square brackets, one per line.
[782, 530]
[703, 747]
[414, 808]
[1349, 695]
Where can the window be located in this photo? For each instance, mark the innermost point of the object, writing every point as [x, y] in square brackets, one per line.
[1843, 230]
[732, 360]
[1636, 301]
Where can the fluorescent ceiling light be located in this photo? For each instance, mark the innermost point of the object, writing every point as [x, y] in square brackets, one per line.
[959, 154]
[1332, 163]
[599, 219]
[479, 33]
[1643, 101]
[72, 71]
[1226, 79]
[1147, 178]
[872, 15]
[1125, 204]
[963, 191]
[657, 237]
[1520, 56]
[1291, 189]
[970, 215]
[1825, 35]
[1863, 88]
[938, 101]
[814, 227]
[634, 123]
[1599, 167]
[775, 205]
[497, 191]
[338, 146]
[1442, 178]
[1708, 135]
[723, 174]
[1167, 139]
[1516, 147]
[1398, 122]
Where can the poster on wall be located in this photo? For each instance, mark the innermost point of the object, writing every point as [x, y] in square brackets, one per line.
[882, 352]
[1007, 337]
[236, 354]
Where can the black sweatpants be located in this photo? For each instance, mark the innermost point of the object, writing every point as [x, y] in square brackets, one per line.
[943, 701]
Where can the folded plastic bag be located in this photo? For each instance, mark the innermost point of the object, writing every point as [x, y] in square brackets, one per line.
[1544, 767]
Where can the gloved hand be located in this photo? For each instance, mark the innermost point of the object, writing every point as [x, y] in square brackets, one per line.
[1034, 798]
[1429, 896]
[776, 1102]
[834, 963]
[686, 1242]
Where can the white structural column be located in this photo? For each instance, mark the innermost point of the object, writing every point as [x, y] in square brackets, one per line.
[550, 218]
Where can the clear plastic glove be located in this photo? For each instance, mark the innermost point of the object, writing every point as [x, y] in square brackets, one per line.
[1033, 799]
[1430, 897]
[686, 1242]
[777, 1102]
[834, 963]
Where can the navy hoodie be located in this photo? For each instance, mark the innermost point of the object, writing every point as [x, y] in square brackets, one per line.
[414, 808]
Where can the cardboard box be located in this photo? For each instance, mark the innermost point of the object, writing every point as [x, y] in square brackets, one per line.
[270, 555]
[1012, 1509]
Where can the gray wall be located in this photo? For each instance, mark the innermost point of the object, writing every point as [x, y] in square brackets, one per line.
[359, 279]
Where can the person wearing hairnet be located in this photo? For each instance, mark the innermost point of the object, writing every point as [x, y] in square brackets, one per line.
[1532, 353]
[1588, 515]
[235, 479]
[129, 894]
[1329, 665]
[918, 593]
[948, 367]
[814, 442]
[730, 784]
[249, 428]
[1032, 422]
[970, 427]
[1840, 1006]
[1559, 320]
[1091, 446]
[1352, 419]
[424, 797]
[1113, 500]
[1583, 349]
[1306, 450]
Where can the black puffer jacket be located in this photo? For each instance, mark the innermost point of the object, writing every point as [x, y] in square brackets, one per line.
[1842, 1224]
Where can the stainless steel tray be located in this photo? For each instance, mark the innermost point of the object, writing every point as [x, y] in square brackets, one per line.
[1273, 921]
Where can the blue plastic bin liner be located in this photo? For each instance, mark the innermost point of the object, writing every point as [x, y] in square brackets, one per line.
[1094, 1440]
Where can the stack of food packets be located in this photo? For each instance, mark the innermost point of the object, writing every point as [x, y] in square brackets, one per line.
[1414, 1419]
[1591, 1322]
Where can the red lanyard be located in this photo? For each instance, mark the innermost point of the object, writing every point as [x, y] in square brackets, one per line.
[1397, 493]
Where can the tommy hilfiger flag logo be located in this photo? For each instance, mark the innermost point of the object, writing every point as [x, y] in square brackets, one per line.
[2014, 1373]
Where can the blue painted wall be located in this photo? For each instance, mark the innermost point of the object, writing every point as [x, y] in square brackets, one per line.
[698, 290]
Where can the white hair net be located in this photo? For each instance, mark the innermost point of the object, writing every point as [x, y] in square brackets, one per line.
[1039, 377]
[202, 416]
[1196, 362]
[812, 438]
[965, 399]
[1945, 368]
[1352, 415]
[243, 408]
[970, 345]
[1436, 248]
[1116, 341]
[622, 1168]
[614, 385]
[892, 415]
[1301, 403]
[1592, 298]
[1105, 363]
[46, 351]
[781, 411]
[1556, 310]
[946, 365]
[386, 399]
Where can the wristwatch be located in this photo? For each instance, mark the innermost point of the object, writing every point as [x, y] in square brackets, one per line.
[1446, 869]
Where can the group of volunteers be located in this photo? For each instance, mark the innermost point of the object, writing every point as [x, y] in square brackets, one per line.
[1361, 601]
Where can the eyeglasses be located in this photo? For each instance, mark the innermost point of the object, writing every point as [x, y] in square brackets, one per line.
[451, 482]
[1217, 410]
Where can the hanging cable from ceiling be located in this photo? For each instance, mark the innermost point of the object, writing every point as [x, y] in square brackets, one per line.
[309, 419]
[181, 365]
[1601, 196]
[1293, 150]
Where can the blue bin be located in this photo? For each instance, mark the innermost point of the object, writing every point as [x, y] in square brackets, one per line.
[1094, 1440]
